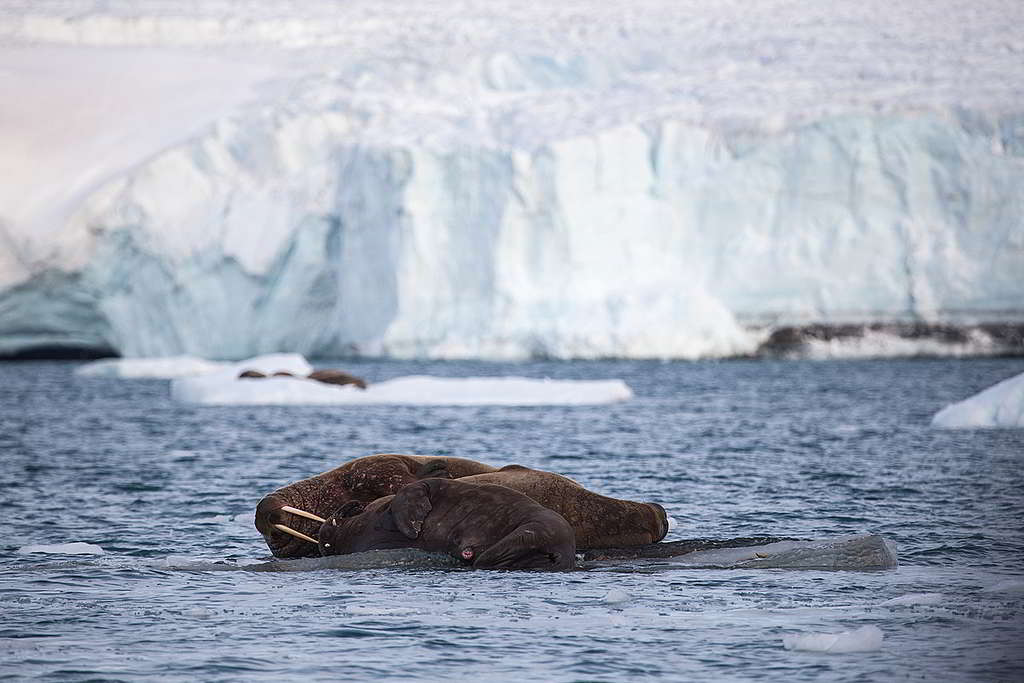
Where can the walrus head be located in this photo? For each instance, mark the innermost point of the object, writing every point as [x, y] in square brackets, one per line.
[288, 530]
[289, 518]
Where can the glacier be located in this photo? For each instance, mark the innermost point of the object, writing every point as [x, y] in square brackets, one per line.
[506, 180]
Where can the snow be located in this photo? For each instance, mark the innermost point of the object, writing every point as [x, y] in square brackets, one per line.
[864, 639]
[503, 179]
[77, 548]
[226, 389]
[1001, 405]
[188, 366]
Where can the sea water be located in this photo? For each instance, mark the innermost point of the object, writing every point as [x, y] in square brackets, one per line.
[128, 550]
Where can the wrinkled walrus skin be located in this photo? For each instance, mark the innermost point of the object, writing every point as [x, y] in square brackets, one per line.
[364, 479]
[599, 521]
[483, 525]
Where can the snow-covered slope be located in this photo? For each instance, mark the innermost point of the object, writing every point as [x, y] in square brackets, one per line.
[501, 179]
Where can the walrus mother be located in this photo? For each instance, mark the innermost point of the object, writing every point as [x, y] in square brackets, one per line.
[290, 517]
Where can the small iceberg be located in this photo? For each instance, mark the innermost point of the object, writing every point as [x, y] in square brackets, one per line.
[1001, 405]
[173, 367]
[78, 548]
[226, 389]
[864, 639]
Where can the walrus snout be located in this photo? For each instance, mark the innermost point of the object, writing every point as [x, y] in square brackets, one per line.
[286, 528]
[662, 516]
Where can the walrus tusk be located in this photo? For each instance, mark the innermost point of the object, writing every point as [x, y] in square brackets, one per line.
[296, 534]
[303, 513]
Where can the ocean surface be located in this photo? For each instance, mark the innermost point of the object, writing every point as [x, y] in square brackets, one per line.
[181, 586]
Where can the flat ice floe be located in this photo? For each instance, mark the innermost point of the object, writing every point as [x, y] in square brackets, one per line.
[171, 367]
[864, 639]
[1001, 405]
[865, 551]
[77, 548]
[226, 389]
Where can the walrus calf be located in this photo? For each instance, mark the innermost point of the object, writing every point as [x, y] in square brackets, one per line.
[484, 525]
[290, 517]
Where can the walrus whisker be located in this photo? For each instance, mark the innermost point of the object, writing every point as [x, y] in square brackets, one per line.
[303, 513]
[296, 534]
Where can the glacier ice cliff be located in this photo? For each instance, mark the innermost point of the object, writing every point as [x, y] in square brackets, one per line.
[611, 184]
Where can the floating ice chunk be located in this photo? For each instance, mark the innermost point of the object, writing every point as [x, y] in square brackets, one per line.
[672, 523]
[616, 595]
[866, 551]
[226, 389]
[1007, 586]
[915, 599]
[172, 367]
[864, 639]
[1001, 405]
[78, 548]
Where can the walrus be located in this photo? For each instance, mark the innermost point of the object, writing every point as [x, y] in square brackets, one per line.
[336, 377]
[483, 525]
[289, 517]
[325, 376]
[599, 521]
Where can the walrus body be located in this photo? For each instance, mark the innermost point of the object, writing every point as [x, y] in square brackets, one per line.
[363, 479]
[337, 377]
[484, 525]
[598, 521]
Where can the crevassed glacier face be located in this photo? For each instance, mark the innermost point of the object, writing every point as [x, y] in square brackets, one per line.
[568, 203]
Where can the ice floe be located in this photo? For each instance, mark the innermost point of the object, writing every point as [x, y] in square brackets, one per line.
[77, 548]
[864, 639]
[866, 551]
[226, 389]
[1001, 405]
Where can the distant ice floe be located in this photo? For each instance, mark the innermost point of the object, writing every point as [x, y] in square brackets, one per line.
[866, 551]
[172, 367]
[77, 548]
[914, 599]
[226, 389]
[1001, 405]
[864, 639]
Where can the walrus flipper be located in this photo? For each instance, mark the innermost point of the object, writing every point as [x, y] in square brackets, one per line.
[410, 507]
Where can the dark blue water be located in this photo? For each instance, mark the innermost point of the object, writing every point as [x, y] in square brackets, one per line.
[184, 589]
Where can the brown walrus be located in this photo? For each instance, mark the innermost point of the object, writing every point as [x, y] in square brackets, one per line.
[336, 377]
[300, 507]
[598, 521]
[484, 525]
